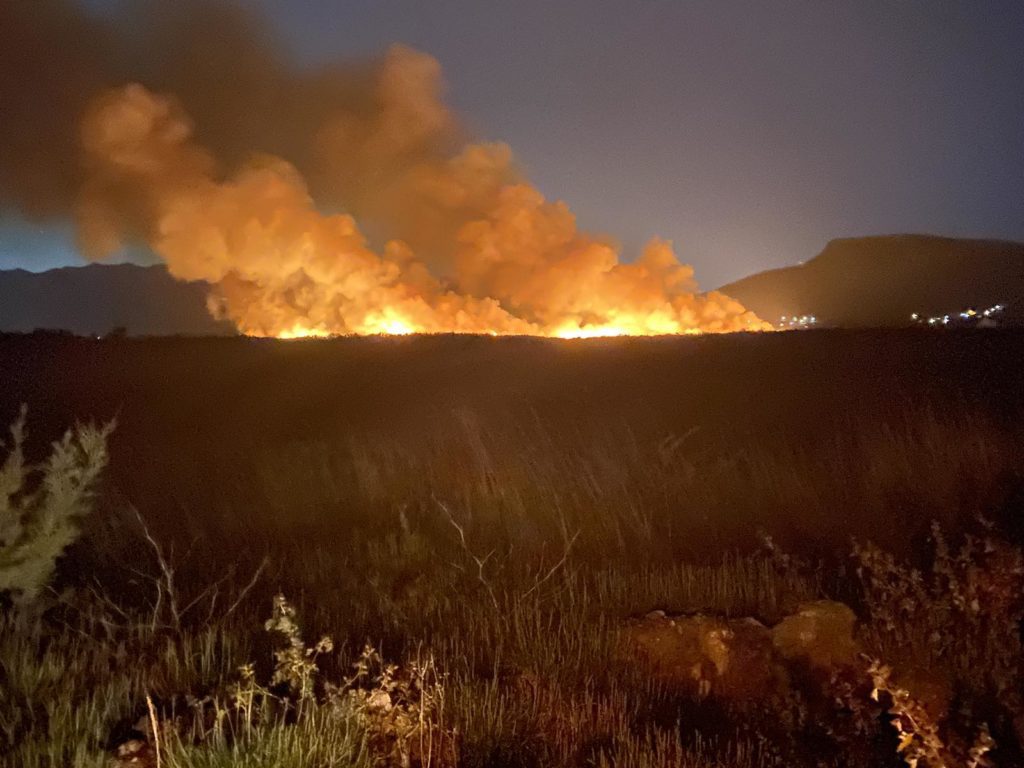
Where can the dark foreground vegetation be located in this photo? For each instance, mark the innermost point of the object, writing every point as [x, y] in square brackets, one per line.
[786, 550]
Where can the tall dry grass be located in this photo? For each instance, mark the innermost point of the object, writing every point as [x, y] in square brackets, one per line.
[511, 558]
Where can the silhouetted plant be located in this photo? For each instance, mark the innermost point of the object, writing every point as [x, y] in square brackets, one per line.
[40, 507]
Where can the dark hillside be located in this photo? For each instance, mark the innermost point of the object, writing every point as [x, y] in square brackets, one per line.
[881, 281]
[96, 299]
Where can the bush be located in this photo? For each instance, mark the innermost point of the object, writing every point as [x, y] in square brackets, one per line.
[40, 506]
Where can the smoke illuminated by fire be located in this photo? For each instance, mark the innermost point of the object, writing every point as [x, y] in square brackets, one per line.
[342, 201]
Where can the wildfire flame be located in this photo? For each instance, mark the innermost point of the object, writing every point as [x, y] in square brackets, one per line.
[303, 332]
[463, 243]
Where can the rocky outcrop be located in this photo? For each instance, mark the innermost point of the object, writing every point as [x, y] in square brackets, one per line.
[820, 634]
[705, 655]
[742, 660]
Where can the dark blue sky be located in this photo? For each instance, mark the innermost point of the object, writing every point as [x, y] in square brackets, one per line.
[748, 132]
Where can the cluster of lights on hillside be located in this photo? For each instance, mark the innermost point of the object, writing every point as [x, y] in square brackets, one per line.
[964, 317]
[801, 321]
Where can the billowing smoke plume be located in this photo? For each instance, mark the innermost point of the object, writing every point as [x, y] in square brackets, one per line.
[224, 160]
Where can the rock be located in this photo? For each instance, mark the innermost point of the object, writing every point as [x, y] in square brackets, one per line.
[134, 753]
[741, 659]
[819, 633]
[729, 659]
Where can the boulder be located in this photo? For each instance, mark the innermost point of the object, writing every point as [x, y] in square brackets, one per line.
[134, 753]
[820, 633]
[731, 659]
[741, 659]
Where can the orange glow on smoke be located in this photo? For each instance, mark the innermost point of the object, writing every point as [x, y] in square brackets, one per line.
[471, 246]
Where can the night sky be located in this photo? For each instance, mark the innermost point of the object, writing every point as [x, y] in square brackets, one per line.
[749, 133]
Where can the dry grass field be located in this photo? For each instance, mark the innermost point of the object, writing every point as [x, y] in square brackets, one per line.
[793, 549]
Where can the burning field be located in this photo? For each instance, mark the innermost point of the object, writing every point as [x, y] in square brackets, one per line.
[344, 201]
[454, 521]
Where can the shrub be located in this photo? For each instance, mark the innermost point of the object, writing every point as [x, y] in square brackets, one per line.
[40, 506]
[951, 633]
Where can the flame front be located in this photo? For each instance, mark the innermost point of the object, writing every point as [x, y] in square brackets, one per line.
[303, 332]
[470, 247]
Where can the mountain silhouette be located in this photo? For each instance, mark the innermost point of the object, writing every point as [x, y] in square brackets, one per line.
[883, 281]
[100, 298]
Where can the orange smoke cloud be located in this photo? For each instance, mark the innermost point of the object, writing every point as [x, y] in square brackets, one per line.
[460, 242]
[277, 263]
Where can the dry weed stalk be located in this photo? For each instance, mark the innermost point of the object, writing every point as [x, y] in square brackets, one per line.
[480, 562]
[168, 609]
[154, 727]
